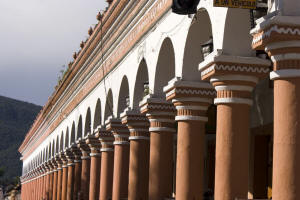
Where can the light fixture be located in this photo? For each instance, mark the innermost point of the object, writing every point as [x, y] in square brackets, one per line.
[185, 7]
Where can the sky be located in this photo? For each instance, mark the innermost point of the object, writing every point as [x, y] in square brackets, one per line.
[38, 37]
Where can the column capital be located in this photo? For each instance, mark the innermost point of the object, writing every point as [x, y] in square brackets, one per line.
[161, 114]
[105, 137]
[279, 36]
[190, 98]
[137, 123]
[120, 131]
[233, 77]
[94, 144]
[84, 148]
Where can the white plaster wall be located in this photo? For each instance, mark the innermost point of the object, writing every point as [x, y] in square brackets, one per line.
[176, 28]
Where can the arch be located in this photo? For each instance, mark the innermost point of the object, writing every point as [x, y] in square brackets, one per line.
[61, 142]
[141, 78]
[66, 142]
[79, 128]
[123, 94]
[97, 115]
[53, 148]
[109, 107]
[73, 136]
[199, 33]
[165, 67]
[87, 125]
[57, 145]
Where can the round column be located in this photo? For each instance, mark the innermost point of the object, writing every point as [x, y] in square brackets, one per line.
[234, 79]
[71, 171]
[95, 154]
[59, 177]
[283, 47]
[121, 159]
[191, 100]
[139, 156]
[77, 171]
[51, 173]
[107, 163]
[161, 115]
[85, 169]
[64, 176]
[55, 174]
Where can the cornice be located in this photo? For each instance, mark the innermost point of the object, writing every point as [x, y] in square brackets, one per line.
[88, 69]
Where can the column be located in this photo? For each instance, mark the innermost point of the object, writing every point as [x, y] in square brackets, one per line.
[71, 170]
[161, 115]
[138, 126]
[95, 154]
[107, 161]
[64, 184]
[191, 100]
[55, 174]
[85, 169]
[59, 177]
[77, 173]
[121, 159]
[44, 181]
[51, 173]
[234, 78]
[280, 39]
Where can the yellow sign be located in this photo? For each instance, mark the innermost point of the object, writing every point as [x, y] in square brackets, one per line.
[248, 4]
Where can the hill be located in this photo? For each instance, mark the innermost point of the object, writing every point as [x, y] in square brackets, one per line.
[16, 118]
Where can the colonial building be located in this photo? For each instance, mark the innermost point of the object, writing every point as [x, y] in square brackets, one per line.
[174, 99]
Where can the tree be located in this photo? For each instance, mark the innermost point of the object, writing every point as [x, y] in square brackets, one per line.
[1, 172]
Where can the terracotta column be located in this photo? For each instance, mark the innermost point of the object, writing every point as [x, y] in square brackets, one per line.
[77, 171]
[121, 159]
[44, 181]
[138, 126]
[107, 162]
[234, 79]
[51, 172]
[55, 174]
[280, 39]
[59, 177]
[85, 169]
[71, 170]
[161, 115]
[191, 100]
[64, 184]
[95, 154]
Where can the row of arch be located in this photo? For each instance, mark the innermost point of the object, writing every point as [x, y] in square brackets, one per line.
[200, 30]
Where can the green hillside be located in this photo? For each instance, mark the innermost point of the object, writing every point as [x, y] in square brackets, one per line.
[16, 118]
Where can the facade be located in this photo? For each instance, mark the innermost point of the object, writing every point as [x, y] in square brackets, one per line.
[158, 105]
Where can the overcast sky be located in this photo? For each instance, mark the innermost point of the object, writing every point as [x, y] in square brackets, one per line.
[38, 37]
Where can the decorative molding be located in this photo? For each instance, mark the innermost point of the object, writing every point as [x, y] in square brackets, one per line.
[164, 129]
[191, 118]
[121, 142]
[137, 130]
[234, 87]
[162, 120]
[233, 100]
[106, 149]
[192, 107]
[285, 73]
[139, 138]
[287, 56]
[235, 78]
[235, 68]
[189, 91]
[276, 29]
[192, 99]
[95, 154]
